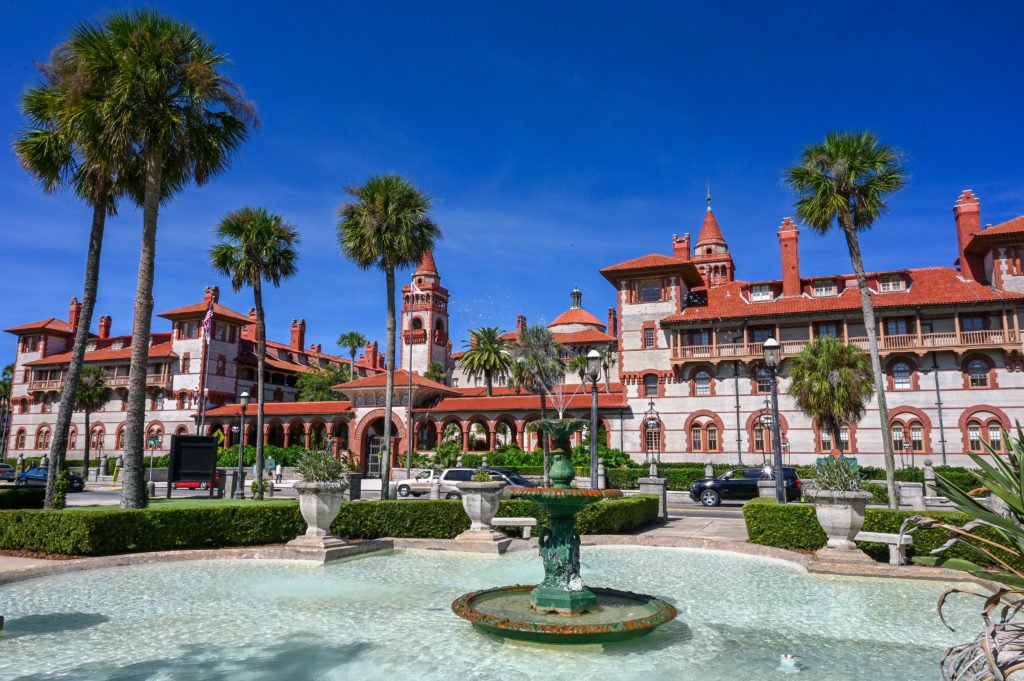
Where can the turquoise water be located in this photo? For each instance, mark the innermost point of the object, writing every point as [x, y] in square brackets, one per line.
[388, 617]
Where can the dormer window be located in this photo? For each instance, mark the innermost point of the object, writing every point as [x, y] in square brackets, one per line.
[826, 287]
[117, 345]
[90, 346]
[649, 291]
[760, 293]
[890, 282]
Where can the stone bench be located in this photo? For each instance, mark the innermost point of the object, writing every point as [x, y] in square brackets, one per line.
[526, 523]
[897, 545]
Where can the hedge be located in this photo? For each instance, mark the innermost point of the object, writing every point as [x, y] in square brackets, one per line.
[794, 526]
[22, 497]
[174, 525]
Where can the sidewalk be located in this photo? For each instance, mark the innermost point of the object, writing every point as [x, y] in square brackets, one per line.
[721, 529]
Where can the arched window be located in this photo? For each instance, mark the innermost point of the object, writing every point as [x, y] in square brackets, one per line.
[702, 383]
[916, 436]
[72, 439]
[826, 440]
[995, 435]
[23, 407]
[120, 440]
[651, 385]
[696, 439]
[712, 437]
[19, 439]
[652, 437]
[155, 433]
[977, 371]
[43, 438]
[159, 399]
[98, 436]
[901, 376]
[417, 323]
[974, 436]
[760, 438]
[897, 437]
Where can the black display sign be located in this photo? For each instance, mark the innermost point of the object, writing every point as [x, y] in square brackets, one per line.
[193, 462]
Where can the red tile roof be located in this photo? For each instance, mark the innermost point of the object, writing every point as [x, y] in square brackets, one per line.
[284, 408]
[585, 336]
[654, 263]
[527, 402]
[199, 310]
[161, 348]
[401, 379]
[52, 325]
[1005, 232]
[930, 286]
[710, 232]
[427, 265]
[576, 316]
[1014, 226]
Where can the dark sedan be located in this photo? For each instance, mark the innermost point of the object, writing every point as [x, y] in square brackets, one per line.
[740, 484]
[36, 477]
[7, 472]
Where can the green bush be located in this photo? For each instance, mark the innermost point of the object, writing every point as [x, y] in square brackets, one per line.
[794, 526]
[61, 487]
[613, 516]
[22, 497]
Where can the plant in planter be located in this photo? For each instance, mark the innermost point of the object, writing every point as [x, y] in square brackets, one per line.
[839, 502]
[321, 489]
[481, 496]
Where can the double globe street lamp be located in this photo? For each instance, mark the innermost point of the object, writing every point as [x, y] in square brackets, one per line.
[243, 402]
[593, 373]
[772, 352]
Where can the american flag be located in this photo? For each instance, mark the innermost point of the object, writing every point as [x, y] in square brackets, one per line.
[207, 322]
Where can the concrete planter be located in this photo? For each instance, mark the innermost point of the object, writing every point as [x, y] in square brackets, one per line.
[841, 515]
[319, 503]
[480, 501]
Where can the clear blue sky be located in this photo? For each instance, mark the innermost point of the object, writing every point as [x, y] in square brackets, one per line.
[555, 138]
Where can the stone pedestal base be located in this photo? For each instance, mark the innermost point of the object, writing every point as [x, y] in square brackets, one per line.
[843, 555]
[483, 541]
[658, 487]
[316, 543]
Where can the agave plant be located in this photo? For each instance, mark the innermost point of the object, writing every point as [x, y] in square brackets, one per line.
[837, 474]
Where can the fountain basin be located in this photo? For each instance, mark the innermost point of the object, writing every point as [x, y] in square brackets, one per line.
[508, 612]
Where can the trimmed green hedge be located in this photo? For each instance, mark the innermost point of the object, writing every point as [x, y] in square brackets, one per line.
[22, 497]
[794, 526]
[174, 525]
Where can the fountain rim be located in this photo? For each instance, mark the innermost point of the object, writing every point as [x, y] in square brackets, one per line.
[508, 627]
[527, 492]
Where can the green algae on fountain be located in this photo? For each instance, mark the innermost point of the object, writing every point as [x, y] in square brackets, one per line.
[562, 609]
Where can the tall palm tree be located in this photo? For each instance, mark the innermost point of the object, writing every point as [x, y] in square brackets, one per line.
[831, 383]
[92, 394]
[387, 227]
[164, 98]
[538, 371]
[256, 246]
[353, 340]
[846, 180]
[6, 382]
[486, 355]
[65, 145]
[578, 365]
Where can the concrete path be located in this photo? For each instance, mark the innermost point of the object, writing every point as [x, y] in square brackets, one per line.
[698, 527]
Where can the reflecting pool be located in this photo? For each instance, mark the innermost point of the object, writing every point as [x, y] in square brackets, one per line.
[388, 617]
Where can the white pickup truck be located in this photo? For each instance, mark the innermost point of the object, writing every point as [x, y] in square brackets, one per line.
[449, 480]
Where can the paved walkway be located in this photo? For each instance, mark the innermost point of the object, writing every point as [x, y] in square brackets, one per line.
[697, 527]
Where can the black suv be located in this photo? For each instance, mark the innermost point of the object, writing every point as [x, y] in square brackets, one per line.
[740, 484]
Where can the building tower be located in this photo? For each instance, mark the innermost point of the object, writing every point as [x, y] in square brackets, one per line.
[424, 319]
[711, 253]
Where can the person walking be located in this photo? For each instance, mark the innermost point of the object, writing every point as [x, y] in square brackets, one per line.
[277, 474]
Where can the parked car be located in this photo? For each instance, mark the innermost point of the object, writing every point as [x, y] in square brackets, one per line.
[419, 485]
[35, 477]
[192, 484]
[449, 479]
[740, 484]
[7, 472]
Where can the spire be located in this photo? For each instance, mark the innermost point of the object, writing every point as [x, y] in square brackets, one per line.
[710, 232]
[427, 264]
[709, 196]
[576, 298]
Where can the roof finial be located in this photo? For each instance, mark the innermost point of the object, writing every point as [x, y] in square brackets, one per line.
[709, 195]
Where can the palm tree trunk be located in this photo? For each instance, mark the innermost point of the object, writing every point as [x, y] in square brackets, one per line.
[85, 456]
[490, 383]
[261, 361]
[544, 442]
[389, 395]
[59, 444]
[876, 362]
[133, 493]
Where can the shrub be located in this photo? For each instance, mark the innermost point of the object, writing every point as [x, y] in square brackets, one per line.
[22, 497]
[613, 516]
[836, 474]
[61, 486]
[320, 466]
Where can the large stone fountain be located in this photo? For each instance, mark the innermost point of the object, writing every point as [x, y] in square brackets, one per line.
[562, 608]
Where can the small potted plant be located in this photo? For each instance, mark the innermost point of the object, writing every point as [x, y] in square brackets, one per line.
[321, 488]
[839, 502]
[480, 499]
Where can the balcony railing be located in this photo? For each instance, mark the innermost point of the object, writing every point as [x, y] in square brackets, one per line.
[894, 343]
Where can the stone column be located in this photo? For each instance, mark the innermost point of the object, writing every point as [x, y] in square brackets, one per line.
[308, 427]
[658, 487]
[465, 439]
[602, 482]
[709, 470]
[929, 479]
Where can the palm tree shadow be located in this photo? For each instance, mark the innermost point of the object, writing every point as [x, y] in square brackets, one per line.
[33, 625]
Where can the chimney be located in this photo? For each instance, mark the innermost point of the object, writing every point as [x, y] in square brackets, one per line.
[613, 322]
[315, 347]
[371, 354]
[249, 331]
[105, 322]
[74, 313]
[967, 212]
[211, 294]
[520, 324]
[681, 246]
[789, 235]
[298, 342]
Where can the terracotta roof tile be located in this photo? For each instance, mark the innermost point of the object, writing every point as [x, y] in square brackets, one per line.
[930, 286]
[427, 264]
[576, 316]
[526, 402]
[653, 263]
[52, 324]
[199, 309]
[401, 379]
[284, 408]
[161, 348]
[585, 336]
[710, 232]
[1014, 226]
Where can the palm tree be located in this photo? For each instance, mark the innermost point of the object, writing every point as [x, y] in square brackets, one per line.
[486, 355]
[846, 180]
[91, 395]
[538, 370]
[353, 340]
[831, 383]
[578, 365]
[256, 246]
[435, 372]
[608, 361]
[64, 145]
[387, 227]
[162, 99]
[6, 381]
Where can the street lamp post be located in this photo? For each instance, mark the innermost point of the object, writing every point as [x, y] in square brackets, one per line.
[243, 402]
[593, 372]
[652, 433]
[772, 357]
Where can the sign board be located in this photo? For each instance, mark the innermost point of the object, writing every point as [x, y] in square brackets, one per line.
[153, 441]
[193, 461]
